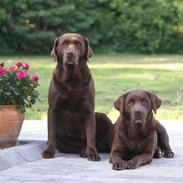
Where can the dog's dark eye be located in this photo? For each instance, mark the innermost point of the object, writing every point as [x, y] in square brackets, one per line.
[131, 102]
[77, 43]
[64, 43]
[144, 101]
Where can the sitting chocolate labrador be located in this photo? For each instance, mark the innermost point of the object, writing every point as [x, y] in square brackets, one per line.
[138, 137]
[73, 127]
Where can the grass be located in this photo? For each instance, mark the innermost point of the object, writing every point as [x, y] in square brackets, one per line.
[116, 74]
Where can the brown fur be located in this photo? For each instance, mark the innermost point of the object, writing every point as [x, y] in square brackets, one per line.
[138, 137]
[72, 122]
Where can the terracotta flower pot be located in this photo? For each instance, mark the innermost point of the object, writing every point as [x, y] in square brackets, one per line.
[11, 120]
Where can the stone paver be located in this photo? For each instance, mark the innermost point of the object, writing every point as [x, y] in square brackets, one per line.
[26, 165]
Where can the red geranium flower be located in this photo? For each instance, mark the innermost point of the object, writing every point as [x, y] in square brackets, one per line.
[2, 71]
[21, 74]
[25, 66]
[13, 68]
[35, 77]
[2, 64]
[18, 64]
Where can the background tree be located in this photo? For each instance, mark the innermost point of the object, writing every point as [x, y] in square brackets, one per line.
[111, 25]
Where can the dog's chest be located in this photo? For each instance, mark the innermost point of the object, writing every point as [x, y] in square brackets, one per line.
[136, 145]
[70, 115]
[70, 119]
[71, 104]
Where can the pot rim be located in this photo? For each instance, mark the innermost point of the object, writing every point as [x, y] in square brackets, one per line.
[8, 106]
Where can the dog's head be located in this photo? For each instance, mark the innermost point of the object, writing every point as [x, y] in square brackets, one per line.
[71, 50]
[137, 106]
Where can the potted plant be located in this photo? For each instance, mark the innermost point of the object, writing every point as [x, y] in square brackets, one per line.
[17, 92]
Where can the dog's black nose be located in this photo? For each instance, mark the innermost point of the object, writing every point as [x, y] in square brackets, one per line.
[70, 54]
[137, 112]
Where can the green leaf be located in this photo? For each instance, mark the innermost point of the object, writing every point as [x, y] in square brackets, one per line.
[33, 100]
[8, 93]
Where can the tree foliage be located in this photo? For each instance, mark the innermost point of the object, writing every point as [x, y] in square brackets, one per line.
[111, 25]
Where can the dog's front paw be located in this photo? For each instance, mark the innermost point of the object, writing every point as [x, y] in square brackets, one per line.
[132, 164]
[83, 153]
[120, 165]
[93, 157]
[169, 154]
[158, 153]
[92, 154]
[49, 152]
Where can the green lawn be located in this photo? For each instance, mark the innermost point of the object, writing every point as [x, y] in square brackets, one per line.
[116, 74]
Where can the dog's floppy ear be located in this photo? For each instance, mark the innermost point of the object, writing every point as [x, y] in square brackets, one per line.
[156, 101]
[89, 52]
[54, 50]
[119, 103]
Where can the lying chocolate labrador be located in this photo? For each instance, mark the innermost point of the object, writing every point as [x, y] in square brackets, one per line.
[73, 127]
[138, 137]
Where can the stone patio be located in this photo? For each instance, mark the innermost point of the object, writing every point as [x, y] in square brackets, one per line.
[24, 163]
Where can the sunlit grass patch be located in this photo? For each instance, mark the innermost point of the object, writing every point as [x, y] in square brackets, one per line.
[116, 74]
